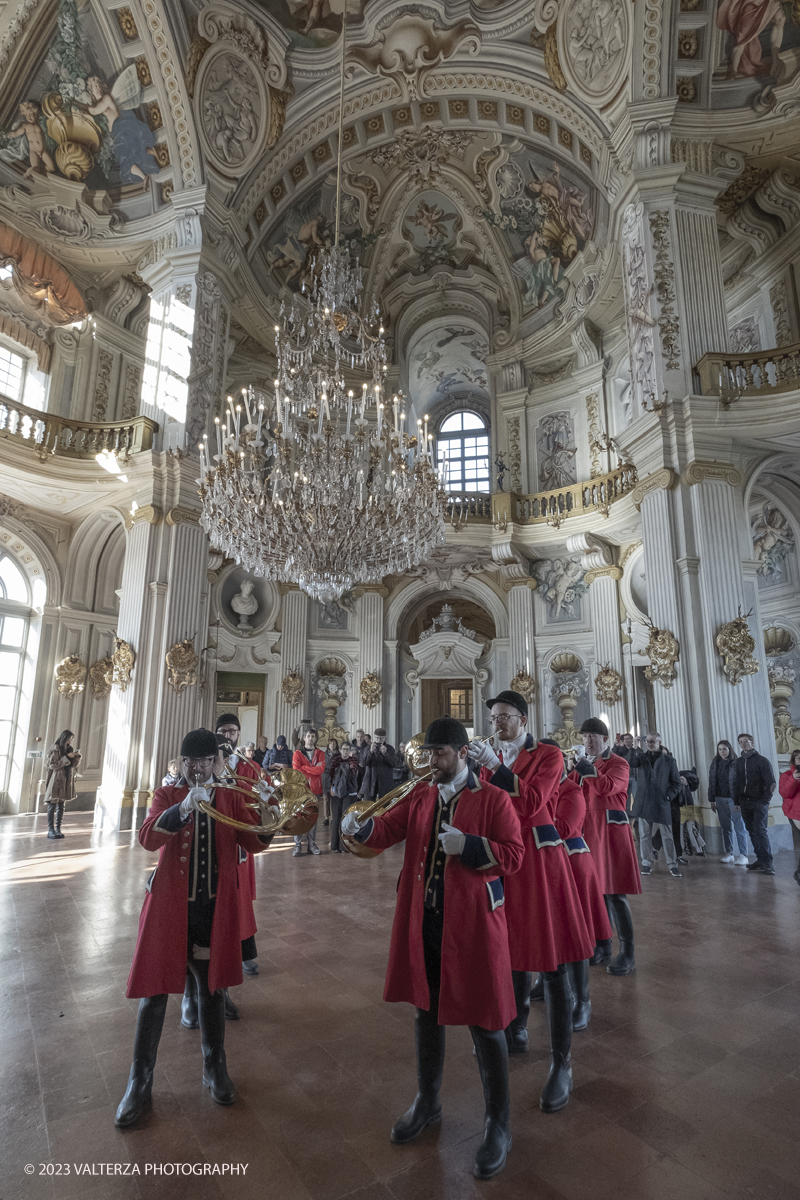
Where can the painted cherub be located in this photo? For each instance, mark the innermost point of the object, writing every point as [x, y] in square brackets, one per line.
[31, 129]
[134, 144]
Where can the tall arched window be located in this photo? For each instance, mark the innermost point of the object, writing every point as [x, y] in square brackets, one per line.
[14, 622]
[463, 443]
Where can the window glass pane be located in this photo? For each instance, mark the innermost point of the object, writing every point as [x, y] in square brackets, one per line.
[7, 695]
[12, 581]
[452, 424]
[12, 369]
[12, 631]
[472, 421]
[5, 737]
[39, 593]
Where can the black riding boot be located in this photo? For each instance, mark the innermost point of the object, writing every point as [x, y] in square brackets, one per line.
[492, 1054]
[517, 1030]
[429, 1038]
[558, 999]
[231, 1011]
[149, 1023]
[59, 815]
[189, 1002]
[581, 1003]
[537, 991]
[624, 963]
[602, 953]
[211, 1014]
[51, 816]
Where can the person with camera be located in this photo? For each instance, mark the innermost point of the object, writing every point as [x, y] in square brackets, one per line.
[344, 792]
[378, 762]
[449, 952]
[62, 763]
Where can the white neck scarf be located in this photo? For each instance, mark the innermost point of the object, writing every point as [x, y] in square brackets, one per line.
[448, 790]
[510, 750]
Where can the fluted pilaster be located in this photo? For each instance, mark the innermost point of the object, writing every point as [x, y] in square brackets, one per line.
[370, 657]
[603, 595]
[294, 636]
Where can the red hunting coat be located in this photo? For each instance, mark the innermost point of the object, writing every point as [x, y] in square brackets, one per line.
[606, 827]
[570, 812]
[159, 960]
[546, 923]
[476, 984]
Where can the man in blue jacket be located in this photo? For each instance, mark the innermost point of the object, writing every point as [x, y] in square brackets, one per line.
[753, 783]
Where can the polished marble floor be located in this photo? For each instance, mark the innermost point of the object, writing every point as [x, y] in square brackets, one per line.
[687, 1081]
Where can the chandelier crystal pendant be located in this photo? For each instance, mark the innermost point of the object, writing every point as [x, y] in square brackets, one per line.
[316, 485]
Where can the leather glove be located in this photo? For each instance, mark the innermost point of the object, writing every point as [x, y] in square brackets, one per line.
[585, 768]
[484, 754]
[191, 803]
[350, 825]
[453, 840]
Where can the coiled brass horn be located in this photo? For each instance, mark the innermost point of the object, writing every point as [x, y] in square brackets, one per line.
[292, 796]
[418, 762]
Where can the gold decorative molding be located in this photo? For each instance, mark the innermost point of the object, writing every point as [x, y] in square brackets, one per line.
[122, 659]
[101, 675]
[182, 662]
[608, 685]
[628, 553]
[148, 513]
[70, 674]
[181, 516]
[370, 690]
[735, 645]
[602, 573]
[508, 584]
[524, 683]
[699, 470]
[285, 588]
[292, 687]
[663, 651]
[666, 478]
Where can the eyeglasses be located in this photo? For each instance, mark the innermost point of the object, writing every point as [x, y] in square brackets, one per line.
[206, 761]
[503, 719]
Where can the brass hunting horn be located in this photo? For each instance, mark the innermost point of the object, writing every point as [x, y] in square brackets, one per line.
[418, 763]
[292, 795]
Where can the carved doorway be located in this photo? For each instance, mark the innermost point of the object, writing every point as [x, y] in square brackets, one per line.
[447, 698]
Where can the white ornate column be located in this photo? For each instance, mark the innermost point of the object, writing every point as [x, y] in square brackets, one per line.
[521, 630]
[602, 579]
[370, 656]
[294, 638]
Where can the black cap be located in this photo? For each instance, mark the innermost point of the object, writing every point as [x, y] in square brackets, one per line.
[228, 719]
[445, 731]
[200, 743]
[594, 725]
[512, 698]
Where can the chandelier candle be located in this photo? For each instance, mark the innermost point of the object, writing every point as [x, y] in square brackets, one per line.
[317, 498]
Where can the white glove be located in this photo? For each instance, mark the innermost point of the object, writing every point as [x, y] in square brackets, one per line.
[484, 754]
[264, 789]
[232, 763]
[191, 803]
[350, 824]
[453, 840]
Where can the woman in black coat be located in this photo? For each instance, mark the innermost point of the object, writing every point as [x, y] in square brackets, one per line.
[332, 761]
[344, 792]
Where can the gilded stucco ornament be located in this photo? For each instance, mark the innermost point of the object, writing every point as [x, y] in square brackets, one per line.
[292, 687]
[370, 690]
[735, 645]
[524, 683]
[663, 651]
[70, 675]
[182, 662]
[123, 659]
[101, 674]
[607, 685]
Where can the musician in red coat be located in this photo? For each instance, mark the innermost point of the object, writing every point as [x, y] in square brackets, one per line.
[449, 950]
[547, 928]
[311, 761]
[603, 778]
[190, 916]
[569, 812]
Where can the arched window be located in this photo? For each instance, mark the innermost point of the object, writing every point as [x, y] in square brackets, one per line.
[463, 443]
[14, 622]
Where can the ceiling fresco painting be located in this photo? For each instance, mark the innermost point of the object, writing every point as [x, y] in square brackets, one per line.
[81, 117]
[757, 33]
[313, 24]
[448, 362]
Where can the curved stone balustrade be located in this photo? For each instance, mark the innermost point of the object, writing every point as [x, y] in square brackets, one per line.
[759, 373]
[48, 435]
[551, 508]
